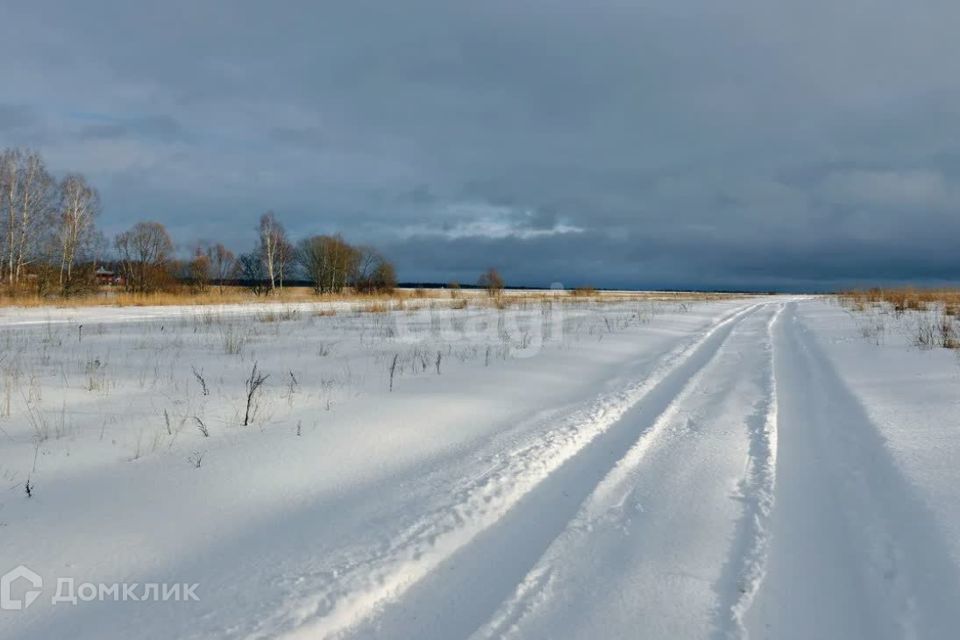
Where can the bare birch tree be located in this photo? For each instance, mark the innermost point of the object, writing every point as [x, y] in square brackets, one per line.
[272, 237]
[26, 207]
[36, 211]
[9, 197]
[79, 206]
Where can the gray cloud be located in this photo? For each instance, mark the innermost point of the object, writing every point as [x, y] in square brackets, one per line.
[740, 144]
[156, 128]
[16, 117]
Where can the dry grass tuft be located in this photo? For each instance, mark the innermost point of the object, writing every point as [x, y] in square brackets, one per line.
[934, 312]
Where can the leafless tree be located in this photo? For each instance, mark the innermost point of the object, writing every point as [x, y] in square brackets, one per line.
[329, 262]
[286, 259]
[312, 258]
[79, 206]
[373, 274]
[250, 268]
[367, 261]
[198, 269]
[492, 281]
[9, 197]
[343, 263]
[385, 277]
[223, 263]
[145, 252]
[272, 238]
[27, 192]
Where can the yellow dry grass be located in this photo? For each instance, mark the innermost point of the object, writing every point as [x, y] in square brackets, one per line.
[377, 303]
[933, 312]
[905, 299]
[213, 296]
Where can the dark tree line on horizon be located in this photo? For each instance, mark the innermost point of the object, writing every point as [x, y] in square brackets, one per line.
[50, 245]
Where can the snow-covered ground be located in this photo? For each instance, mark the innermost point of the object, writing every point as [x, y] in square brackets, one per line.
[630, 469]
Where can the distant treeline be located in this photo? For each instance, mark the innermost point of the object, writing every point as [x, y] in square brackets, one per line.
[50, 244]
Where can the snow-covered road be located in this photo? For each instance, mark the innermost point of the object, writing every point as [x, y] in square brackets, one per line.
[727, 469]
[856, 553]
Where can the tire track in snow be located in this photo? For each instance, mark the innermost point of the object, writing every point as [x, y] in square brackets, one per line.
[854, 551]
[521, 538]
[608, 506]
[748, 560]
[366, 581]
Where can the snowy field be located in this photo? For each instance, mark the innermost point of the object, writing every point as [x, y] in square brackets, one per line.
[760, 467]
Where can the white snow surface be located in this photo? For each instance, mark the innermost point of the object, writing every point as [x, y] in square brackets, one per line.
[743, 467]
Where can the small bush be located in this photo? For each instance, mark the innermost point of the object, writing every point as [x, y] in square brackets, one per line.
[493, 282]
[585, 292]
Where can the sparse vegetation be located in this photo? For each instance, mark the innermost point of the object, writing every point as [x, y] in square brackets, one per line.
[186, 363]
[927, 316]
[492, 282]
[393, 369]
[203, 383]
[254, 382]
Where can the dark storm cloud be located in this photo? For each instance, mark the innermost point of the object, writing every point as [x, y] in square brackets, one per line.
[738, 144]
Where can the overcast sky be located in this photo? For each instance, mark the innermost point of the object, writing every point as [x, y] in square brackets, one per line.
[743, 143]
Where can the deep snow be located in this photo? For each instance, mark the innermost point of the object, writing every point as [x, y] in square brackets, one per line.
[651, 469]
